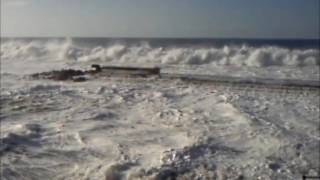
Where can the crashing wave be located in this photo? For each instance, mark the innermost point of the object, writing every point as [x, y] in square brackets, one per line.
[143, 52]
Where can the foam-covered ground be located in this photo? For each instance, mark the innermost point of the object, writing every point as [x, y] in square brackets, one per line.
[112, 128]
[150, 128]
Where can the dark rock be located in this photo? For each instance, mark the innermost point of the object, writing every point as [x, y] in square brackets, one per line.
[67, 74]
[274, 166]
[240, 177]
[299, 146]
[79, 79]
[62, 75]
[166, 174]
[96, 67]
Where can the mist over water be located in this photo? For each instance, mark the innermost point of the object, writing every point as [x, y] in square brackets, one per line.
[250, 53]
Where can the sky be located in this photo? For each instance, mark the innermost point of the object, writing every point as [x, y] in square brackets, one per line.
[161, 18]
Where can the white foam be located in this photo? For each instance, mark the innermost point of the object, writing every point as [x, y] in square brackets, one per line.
[81, 129]
[68, 51]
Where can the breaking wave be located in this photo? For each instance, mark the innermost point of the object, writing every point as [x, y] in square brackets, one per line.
[144, 52]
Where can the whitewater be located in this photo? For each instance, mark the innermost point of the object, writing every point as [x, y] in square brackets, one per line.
[143, 51]
[115, 127]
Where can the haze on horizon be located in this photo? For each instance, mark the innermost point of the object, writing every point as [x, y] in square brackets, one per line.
[154, 18]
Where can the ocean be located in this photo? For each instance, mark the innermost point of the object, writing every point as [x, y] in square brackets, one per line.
[208, 52]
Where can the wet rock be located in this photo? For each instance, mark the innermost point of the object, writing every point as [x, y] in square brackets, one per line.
[79, 79]
[166, 174]
[62, 75]
[299, 146]
[274, 166]
[240, 177]
[96, 67]
[115, 172]
[104, 116]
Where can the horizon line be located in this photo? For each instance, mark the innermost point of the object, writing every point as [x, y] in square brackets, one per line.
[182, 38]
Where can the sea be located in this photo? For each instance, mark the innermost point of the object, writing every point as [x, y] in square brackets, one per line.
[163, 51]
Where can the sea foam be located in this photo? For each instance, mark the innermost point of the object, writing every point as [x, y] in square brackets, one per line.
[143, 52]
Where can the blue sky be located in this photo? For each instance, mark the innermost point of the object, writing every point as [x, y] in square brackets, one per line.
[161, 18]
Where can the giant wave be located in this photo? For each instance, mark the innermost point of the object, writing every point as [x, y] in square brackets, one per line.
[143, 52]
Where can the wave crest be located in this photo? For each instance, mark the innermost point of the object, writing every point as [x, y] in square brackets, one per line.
[121, 52]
